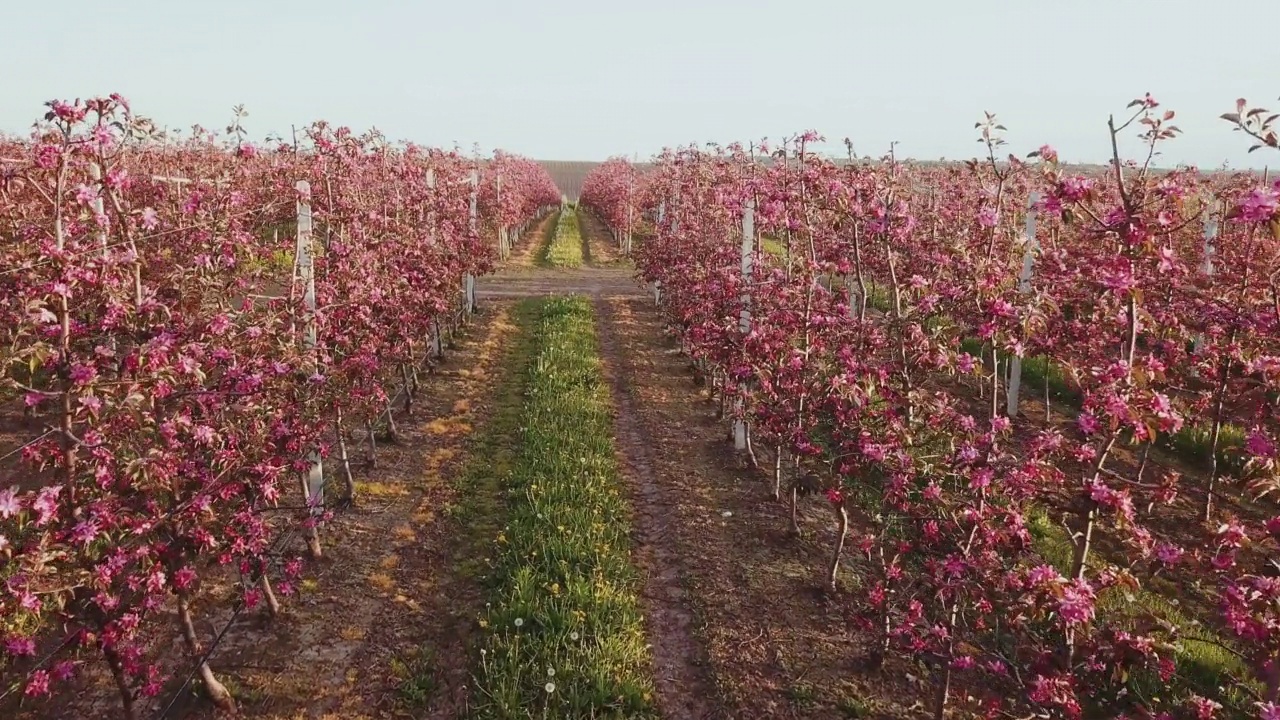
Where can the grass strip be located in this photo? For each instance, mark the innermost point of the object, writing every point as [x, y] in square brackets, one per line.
[563, 633]
[548, 237]
[565, 250]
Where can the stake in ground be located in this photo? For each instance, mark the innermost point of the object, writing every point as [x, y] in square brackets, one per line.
[181, 347]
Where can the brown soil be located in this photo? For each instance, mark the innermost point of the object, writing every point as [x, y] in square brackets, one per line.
[738, 624]
[389, 588]
[681, 674]
[739, 620]
[599, 248]
[524, 252]
[385, 589]
[778, 645]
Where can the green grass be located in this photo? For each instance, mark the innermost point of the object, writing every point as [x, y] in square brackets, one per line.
[564, 635]
[1192, 443]
[773, 246]
[548, 237]
[1205, 664]
[416, 677]
[565, 249]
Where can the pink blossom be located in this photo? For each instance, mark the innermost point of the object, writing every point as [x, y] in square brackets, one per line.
[1260, 206]
[67, 112]
[1050, 205]
[1205, 708]
[150, 219]
[183, 578]
[1259, 445]
[1168, 554]
[220, 324]
[37, 684]
[1075, 188]
[46, 503]
[1075, 607]
[86, 195]
[1268, 711]
[47, 156]
[103, 136]
[64, 670]
[1231, 534]
[85, 532]
[1087, 423]
[28, 600]
[10, 505]
[1042, 574]
[21, 646]
[82, 374]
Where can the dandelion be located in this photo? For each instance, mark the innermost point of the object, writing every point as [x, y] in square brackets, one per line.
[551, 672]
[550, 687]
[519, 622]
[573, 636]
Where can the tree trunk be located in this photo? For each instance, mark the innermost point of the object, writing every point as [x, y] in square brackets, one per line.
[777, 473]
[410, 387]
[751, 451]
[1083, 546]
[349, 482]
[843, 516]
[122, 683]
[795, 521]
[216, 691]
[1047, 416]
[944, 693]
[393, 433]
[268, 594]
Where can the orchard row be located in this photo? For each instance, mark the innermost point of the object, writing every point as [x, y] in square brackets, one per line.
[870, 323]
[190, 330]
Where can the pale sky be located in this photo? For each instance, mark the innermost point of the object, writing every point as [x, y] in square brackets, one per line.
[583, 80]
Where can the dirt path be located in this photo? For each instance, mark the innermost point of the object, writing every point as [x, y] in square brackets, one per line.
[598, 246]
[524, 255]
[739, 623]
[736, 620]
[388, 587]
[681, 676]
[684, 685]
